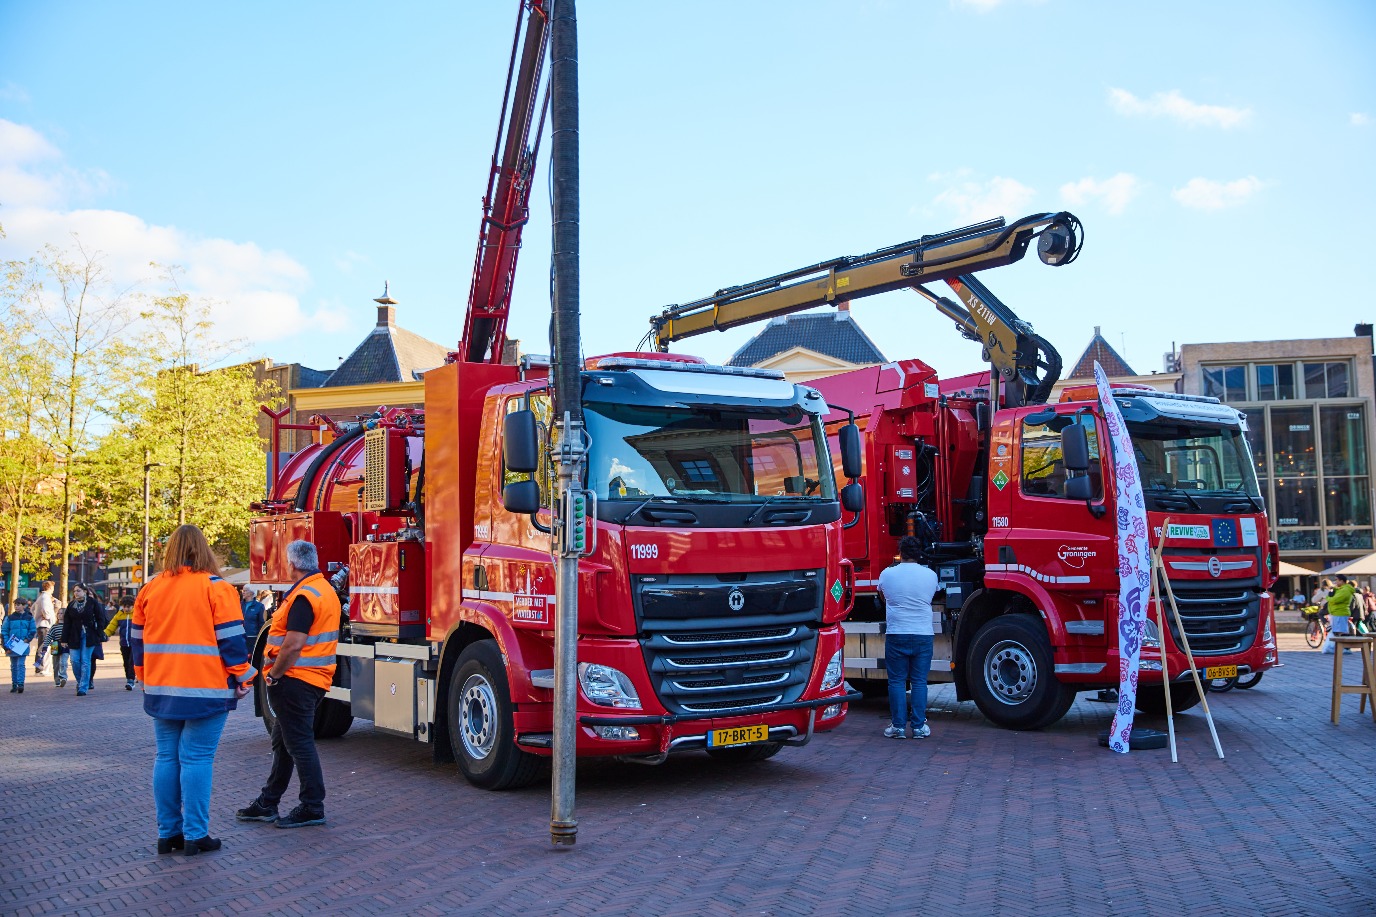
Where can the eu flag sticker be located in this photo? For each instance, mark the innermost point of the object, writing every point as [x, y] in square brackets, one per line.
[1225, 533]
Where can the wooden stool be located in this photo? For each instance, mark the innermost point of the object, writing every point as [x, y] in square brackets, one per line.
[1367, 689]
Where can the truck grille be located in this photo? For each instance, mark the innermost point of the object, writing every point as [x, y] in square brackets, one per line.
[704, 656]
[1220, 618]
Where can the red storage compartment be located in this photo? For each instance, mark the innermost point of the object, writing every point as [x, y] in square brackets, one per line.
[270, 535]
[387, 588]
[902, 474]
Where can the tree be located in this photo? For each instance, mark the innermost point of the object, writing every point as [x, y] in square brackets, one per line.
[80, 318]
[198, 424]
[27, 462]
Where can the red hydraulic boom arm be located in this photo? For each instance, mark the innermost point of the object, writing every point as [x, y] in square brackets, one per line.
[506, 204]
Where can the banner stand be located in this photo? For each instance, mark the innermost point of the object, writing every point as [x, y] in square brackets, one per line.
[1158, 570]
[1194, 671]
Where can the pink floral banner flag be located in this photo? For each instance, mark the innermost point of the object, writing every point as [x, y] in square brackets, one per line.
[1134, 564]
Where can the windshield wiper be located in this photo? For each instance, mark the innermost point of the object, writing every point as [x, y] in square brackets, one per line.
[759, 509]
[1178, 490]
[1250, 499]
[633, 513]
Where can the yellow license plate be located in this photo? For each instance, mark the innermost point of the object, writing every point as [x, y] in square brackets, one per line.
[1221, 671]
[737, 735]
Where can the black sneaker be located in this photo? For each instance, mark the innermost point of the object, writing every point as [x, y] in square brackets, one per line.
[201, 845]
[256, 811]
[301, 817]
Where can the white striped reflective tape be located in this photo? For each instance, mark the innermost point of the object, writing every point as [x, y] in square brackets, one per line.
[374, 590]
[1035, 574]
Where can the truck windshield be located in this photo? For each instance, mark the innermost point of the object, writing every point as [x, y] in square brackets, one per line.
[1195, 459]
[703, 454]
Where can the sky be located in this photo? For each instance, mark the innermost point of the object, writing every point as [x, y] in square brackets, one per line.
[290, 158]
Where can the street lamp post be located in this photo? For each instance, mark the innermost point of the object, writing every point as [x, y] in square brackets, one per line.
[147, 471]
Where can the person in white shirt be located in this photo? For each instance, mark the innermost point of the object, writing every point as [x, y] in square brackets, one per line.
[907, 588]
[44, 616]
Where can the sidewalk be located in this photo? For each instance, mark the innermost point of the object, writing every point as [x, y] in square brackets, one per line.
[975, 820]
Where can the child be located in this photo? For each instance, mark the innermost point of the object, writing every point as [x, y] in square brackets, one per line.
[59, 654]
[122, 622]
[18, 629]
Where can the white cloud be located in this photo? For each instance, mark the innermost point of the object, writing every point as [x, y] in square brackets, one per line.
[1115, 193]
[1173, 105]
[349, 260]
[972, 201]
[251, 292]
[1359, 119]
[11, 91]
[1205, 194]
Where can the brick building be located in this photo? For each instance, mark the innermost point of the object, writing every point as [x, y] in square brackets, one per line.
[1309, 411]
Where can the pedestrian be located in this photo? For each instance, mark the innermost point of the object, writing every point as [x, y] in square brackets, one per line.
[1369, 606]
[15, 633]
[121, 622]
[253, 617]
[1297, 600]
[907, 588]
[1339, 611]
[60, 655]
[83, 632]
[187, 637]
[298, 667]
[44, 617]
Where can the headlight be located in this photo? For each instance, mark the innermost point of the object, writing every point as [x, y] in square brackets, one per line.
[1266, 636]
[607, 687]
[832, 678]
[1151, 635]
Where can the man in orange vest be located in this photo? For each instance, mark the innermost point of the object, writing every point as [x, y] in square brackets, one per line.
[298, 666]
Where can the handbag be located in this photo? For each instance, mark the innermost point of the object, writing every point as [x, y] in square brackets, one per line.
[16, 646]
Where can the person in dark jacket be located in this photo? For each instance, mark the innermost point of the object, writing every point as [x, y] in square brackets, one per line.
[18, 629]
[83, 632]
[253, 617]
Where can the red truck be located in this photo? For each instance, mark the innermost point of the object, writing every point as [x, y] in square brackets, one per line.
[1011, 498]
[711, 585]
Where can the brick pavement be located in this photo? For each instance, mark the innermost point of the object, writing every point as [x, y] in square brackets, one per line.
[973, 820]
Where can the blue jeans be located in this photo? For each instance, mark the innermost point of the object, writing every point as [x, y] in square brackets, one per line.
[81, 666]
[59, 665]
[908, 658]
[182, 772]
[17, 669]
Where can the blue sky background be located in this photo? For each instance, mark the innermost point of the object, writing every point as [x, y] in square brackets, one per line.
[293, 156]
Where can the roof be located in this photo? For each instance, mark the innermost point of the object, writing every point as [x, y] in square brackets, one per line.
[1100, 351]
[389, 353]
[835, 334]
[311, 378]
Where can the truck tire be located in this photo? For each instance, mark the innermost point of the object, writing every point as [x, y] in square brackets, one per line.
[1012, 674]
[481, 729]
[1151, 699]
[334, 717]
[746, 754]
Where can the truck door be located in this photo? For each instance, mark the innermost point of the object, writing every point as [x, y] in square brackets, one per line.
[1066, 543]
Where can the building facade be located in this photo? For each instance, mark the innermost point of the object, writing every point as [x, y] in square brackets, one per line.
[1309, 415]
[810, 345]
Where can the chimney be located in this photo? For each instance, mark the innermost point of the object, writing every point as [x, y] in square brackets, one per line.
[1096, 331]
[386, 308]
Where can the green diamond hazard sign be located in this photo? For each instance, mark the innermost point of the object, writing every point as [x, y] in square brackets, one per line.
[1000, 480]
[836, 591]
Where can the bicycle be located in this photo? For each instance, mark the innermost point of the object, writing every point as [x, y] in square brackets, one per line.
[1316, 626]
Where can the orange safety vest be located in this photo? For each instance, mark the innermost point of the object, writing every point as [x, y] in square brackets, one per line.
[316, 664]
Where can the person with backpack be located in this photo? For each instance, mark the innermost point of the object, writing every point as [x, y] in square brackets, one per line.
[120, 622]
[15, 635]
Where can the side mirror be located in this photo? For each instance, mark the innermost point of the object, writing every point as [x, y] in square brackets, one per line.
[1081, 488]
[521, 443]
[521, 497]
[853, 498]
[1075, 448]
[850, 451]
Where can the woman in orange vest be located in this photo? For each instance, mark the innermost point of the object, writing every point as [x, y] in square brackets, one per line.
[187, 640]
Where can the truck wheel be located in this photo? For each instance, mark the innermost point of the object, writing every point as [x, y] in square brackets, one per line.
[1012, 675]
[334, 717]
[746, 754]
[260, 687]
[481, 730]
[1151, 699]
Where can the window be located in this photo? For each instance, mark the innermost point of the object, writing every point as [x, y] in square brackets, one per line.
[1292, 442]
[1043, 469]
[1326, 380]
[1275, 382]
[1226, 383]
[1256, 441]
[1297, 502]
[1343, 432]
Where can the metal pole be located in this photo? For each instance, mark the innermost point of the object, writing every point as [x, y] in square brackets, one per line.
[566, 359]
[147, 468]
